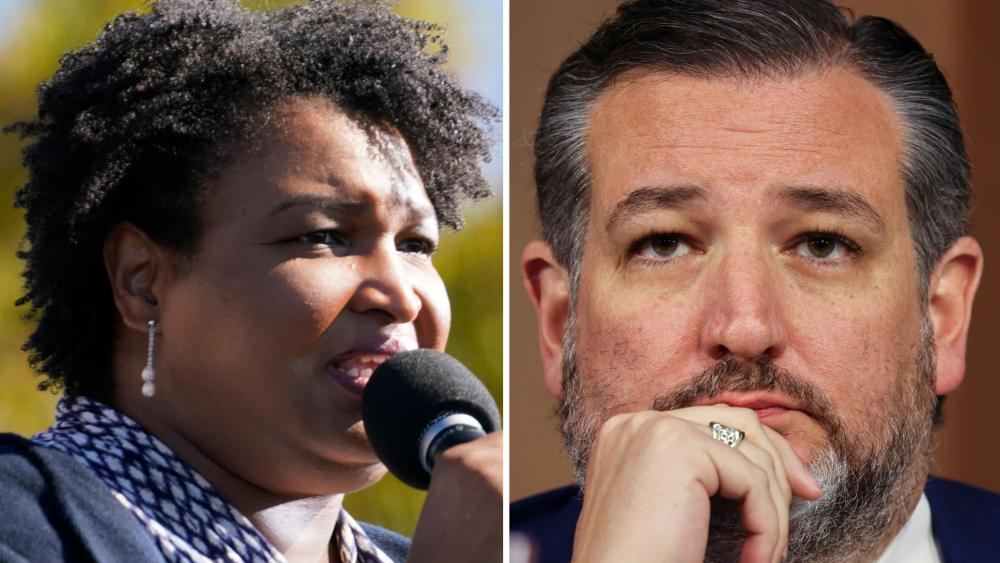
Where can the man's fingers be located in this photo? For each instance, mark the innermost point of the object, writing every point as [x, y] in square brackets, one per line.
[802, 481]
[741, 478]
[768, 450]
[794, 476]
[640, 448]
[778, 487]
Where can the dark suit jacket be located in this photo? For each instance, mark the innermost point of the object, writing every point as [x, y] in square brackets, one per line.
[966, 521]
[52, 508]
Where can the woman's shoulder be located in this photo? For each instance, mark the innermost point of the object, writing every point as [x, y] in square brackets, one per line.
[54, 509]
[31, 475]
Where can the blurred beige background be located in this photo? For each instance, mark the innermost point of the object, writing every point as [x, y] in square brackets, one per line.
[961, 34]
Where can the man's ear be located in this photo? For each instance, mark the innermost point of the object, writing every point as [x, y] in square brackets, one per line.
[547, 283]
[135, 266]
[952, 290]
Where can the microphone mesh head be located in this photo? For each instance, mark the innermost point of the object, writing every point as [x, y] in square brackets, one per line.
[406, 393]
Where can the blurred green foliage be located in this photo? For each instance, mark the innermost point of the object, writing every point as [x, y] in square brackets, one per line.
[469, 261]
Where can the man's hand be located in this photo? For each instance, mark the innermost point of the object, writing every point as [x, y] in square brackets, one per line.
[651, 475]
[462, 518]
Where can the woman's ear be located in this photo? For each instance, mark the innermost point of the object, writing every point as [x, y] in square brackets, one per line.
[952, 290]
[547, 283]
[135, 266]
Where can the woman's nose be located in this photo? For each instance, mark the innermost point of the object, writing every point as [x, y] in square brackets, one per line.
[387, 287]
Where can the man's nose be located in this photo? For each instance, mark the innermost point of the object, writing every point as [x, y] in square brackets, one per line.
[386, 286]
[743, 313]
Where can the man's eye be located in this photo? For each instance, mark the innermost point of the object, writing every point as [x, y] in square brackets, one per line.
[825, 246]
[661, 247]
[417, 246]
[326, 237]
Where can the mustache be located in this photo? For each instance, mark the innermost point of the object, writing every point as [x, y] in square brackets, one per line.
[740, 376]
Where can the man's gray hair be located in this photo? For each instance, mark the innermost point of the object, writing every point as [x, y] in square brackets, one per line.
[755, 39]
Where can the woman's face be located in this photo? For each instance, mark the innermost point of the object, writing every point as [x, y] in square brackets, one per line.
[314, 265]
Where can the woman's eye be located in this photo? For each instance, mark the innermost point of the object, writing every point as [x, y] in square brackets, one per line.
[662, 247]
[325, 237]
[824, 246]
[417, 246]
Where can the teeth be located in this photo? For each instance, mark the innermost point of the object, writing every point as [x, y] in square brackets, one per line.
[362, 365]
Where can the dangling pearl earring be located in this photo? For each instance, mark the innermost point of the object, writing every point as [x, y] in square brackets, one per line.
[148, 389]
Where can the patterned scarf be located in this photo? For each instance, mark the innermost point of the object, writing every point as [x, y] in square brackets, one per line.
[184, 513]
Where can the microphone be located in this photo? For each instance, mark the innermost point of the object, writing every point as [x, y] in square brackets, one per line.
[418, 404]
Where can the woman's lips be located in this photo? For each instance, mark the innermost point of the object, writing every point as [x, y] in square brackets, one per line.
[354, 367]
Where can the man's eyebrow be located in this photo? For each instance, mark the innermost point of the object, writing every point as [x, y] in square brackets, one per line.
[838, 201]
[652, 197]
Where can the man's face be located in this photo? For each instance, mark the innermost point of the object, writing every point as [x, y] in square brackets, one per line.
[748, 244]
[750, 221]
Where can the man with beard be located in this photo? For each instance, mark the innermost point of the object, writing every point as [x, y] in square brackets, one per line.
[754, 288]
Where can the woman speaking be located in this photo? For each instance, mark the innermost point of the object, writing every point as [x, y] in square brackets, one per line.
[231, 217]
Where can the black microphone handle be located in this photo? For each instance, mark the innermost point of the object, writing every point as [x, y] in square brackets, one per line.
[447, 430]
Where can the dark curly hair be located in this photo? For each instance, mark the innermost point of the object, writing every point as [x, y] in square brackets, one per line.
[131, 127]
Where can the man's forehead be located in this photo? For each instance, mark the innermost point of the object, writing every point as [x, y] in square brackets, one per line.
[823, 128]
[826, 96]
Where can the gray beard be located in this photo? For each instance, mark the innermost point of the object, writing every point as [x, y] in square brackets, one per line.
[868, 491]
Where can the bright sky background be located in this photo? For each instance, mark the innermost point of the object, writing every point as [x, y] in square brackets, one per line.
[8, 14]
[484, 28]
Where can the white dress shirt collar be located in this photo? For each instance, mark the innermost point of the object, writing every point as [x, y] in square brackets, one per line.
[915, 542]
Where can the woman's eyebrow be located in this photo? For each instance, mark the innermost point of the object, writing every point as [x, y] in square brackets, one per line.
[327, 203]
[415, 211]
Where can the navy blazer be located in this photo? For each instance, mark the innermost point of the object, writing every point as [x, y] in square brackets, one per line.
[52, 508]
[966, 521]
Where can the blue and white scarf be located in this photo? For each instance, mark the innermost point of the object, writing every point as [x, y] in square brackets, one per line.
[184, 513]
